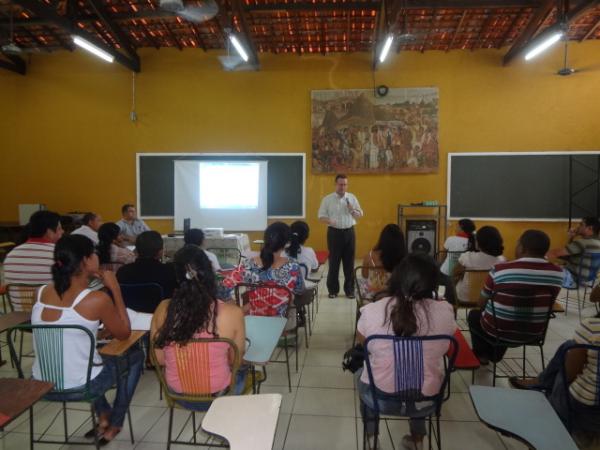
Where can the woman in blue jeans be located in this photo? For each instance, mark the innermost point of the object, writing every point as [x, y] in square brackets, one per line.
[68, 301]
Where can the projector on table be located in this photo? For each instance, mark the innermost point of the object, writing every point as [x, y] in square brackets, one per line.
[213, 233]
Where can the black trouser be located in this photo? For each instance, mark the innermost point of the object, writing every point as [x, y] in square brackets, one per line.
[341, 245]
[481, 346]
[448, 284]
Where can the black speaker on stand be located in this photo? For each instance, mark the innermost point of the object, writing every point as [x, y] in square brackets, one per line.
[420, 236]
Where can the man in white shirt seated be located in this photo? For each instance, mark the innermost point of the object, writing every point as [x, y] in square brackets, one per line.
[195, 236]
[89, 228]
[131, 226]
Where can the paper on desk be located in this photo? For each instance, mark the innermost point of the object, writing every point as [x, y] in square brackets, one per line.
[139, 320]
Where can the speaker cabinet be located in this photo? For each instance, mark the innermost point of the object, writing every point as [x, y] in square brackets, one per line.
[420, 236]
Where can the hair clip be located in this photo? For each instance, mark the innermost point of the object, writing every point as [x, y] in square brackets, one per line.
[190, 273]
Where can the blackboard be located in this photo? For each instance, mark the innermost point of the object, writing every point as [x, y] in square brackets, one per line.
[523, 186]
[285, 189]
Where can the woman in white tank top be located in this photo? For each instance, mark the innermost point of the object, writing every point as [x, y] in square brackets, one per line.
[68, 301]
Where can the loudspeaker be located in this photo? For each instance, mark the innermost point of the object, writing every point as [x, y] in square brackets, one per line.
[420, 236]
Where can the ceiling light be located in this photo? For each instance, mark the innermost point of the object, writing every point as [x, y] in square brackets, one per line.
[386, 48]
[93, 49]
[544, 44]
[239, 48]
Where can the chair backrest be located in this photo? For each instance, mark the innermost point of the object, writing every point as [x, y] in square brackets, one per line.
[475, 280]
[48, 346]
[520, 315]
[193, 369]
[265, 299]
[409, 367]
[142, 297]
[368, 288]
[228, 257]
[450, 256]
[593, 360]
[21, 297]
[588, 267]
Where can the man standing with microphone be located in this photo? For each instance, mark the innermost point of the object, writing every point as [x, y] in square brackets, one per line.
[339, 210]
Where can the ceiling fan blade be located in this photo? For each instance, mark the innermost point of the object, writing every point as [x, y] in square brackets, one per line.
[11, 49]
[201, 13]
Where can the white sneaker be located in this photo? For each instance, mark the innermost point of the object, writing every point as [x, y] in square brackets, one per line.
[407, 443]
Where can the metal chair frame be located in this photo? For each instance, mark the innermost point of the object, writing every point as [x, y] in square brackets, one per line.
[589, 283]
[399, 346]
[19, 305]
[87, 397]
[361, 300]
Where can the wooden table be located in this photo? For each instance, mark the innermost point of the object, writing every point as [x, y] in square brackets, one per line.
[524, 414]
[248, 422]
[17, 396]
[118, 347]
[263, 334]
[10, 320]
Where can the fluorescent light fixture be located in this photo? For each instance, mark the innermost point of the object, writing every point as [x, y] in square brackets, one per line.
[543, 45]
[93, 49]
[386, 48]
[238, 46]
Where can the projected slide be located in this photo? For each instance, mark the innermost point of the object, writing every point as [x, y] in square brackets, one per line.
[221, 194]
[228, 185]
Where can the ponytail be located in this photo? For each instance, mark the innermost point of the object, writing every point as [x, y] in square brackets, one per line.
[276, 237]
[299, 234]
[468, 227]
[107, 233]
[294, 247]
[68, 256]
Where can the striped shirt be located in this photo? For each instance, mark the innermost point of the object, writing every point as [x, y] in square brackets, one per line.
[523, 292]
[584, 252]
[585, 388]
[336, 208]
[29, 263]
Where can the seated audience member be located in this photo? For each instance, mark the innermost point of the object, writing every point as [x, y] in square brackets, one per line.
[194, 312]
[387, 254]
[582, 381]
[110, 251]
[148, 267]
[463, 241]
[195, 236]
[299, 232]
[410, 311]
[130, 224]
[90, 224]
[68, 301]
[530, 273]
[269, 267]
[489, 252]
[583, 239]
[31, 262]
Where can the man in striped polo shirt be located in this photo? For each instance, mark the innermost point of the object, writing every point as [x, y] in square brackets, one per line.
[582, 378]
[523, 291]
[582, 253]
[31, 262]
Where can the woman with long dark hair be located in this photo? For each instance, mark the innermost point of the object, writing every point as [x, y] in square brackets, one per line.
[411, 310]
[110, 250]
[195, 312]
[270, 267]
[387, 254]
[68, 301]
[299, 232]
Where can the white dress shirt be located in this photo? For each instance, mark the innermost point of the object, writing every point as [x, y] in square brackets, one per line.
[335, 208]
[86, 231]
[138, 226]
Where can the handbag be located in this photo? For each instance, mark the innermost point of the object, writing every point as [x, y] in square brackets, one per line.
[354, 358]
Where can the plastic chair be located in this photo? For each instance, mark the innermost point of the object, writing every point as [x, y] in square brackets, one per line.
[409, 376]
[48, 341]
[308, 298]
[142, 297]
[476, 281]
[228, 257]
[451, 256]
[21, 297]
[591, 349]
[532, 308]
[272, 300]
[587, 282]
[361, 289]
[193, 369]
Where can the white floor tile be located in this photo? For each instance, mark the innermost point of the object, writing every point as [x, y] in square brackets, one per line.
[324, 402]
[321, 432]
[326, 377]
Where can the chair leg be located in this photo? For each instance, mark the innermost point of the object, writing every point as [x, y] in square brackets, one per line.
[494, 375]
[94, 425]
[30, 429]
[170, 428]
[524, 360]
[542, 355]
[305, 333]
[439, 432]
[66, 428]
[194, 426]
[296, 348]
[21, 348]
[130, 426]
[287, 361]
[579, 304]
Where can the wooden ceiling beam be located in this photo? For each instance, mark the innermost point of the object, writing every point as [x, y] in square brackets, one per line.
[379, 34]
[114, 29]
[591, 31]
[46, 12]
[458, 28]
[238, 10]
[513, 23]
[16, 64]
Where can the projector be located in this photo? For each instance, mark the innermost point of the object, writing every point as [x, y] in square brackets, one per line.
[213, 233]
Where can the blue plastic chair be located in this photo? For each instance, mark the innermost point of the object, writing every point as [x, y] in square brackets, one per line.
[587, 283]
[409, 378]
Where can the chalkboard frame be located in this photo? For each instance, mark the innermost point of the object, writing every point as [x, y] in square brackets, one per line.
[150, 154]
[506, 219]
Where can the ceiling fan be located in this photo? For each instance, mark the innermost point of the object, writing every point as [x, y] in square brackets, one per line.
[194, 11]
[566, 70]
[11, 48]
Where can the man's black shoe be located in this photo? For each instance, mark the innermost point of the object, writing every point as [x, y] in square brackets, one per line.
[332, 295]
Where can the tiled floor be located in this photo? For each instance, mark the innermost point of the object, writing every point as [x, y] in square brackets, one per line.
[322, 410]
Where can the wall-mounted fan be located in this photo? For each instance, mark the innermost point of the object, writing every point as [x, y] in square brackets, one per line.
[194, 11]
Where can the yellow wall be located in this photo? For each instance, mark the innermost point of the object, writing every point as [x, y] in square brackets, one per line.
[67, 140]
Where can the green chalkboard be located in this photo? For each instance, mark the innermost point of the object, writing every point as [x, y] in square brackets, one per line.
[156, 183]
[524, 186]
